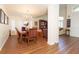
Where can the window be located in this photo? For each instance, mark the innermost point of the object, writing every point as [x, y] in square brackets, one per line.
[60, 22]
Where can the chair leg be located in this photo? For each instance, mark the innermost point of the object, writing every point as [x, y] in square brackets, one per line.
[28, 42]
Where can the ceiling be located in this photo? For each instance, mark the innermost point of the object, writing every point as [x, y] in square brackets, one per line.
[23, 10]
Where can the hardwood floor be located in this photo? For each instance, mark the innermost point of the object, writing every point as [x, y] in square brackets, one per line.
[67, 45]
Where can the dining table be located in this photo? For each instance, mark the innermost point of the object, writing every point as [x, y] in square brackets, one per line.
[39, 33]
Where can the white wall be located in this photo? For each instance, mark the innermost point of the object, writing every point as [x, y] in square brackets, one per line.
[53, 32]
[15, 22]
[74, 30]
[4, 31]
[69, 10]
[63, 13]
[4, 34]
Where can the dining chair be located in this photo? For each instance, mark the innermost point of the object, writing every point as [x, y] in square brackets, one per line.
[25, 35]
[23, 29]
[32, 35]
[18, 34]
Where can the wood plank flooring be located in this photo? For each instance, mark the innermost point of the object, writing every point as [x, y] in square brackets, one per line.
[66, 45]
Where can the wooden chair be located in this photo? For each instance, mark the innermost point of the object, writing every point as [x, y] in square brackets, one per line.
[23, 29]
[32, 35]
[25, 36]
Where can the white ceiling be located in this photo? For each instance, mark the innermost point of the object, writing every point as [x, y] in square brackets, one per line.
[25, 9]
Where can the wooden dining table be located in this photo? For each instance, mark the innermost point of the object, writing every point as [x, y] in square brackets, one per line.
[39, 33]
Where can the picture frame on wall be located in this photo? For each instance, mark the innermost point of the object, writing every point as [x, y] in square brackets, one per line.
[2, 17]
[6, 20]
